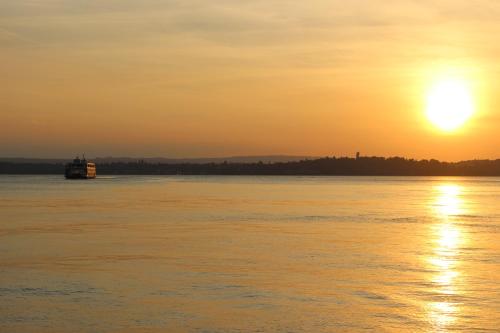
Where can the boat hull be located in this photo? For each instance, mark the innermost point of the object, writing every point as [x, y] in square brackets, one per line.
[79, 176]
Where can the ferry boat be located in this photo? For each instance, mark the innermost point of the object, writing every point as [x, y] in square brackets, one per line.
[80, 169]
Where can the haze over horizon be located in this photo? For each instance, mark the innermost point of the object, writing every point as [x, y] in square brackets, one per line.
[233, 78]
[214, 159]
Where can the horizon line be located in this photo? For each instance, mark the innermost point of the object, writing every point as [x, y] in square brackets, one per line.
[296, 157]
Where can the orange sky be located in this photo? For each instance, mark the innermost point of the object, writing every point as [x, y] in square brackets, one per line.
[218, 78]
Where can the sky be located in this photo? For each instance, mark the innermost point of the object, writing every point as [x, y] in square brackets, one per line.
[223, 78]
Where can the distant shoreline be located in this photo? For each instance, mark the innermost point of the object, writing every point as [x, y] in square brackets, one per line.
[327, 166]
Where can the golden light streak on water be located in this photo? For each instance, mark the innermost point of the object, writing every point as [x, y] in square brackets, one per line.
[448, 237]
[449, 201]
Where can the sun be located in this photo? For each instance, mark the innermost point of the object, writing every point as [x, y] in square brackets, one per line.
[449, 104]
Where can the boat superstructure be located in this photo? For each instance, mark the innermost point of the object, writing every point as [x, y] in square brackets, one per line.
[80, 169]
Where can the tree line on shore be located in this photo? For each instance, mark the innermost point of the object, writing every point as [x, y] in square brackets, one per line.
[362, 166]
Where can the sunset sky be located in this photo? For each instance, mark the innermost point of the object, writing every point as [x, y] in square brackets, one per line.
[217, 78]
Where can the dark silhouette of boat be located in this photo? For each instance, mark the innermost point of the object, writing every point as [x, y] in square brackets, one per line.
[80, 169]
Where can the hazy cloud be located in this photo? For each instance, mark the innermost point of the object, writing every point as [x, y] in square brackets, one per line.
[173, 68]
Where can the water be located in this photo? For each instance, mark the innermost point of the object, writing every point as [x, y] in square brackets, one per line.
[249, 254]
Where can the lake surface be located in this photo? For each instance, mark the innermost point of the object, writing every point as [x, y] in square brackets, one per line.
[249, 254]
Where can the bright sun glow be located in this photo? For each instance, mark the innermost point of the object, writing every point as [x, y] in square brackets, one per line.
[449, 104]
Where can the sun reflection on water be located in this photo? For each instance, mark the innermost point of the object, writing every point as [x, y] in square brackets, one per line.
[449, 201]
[448, 238]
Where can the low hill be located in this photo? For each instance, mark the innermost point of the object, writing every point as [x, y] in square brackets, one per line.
[380, 166]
